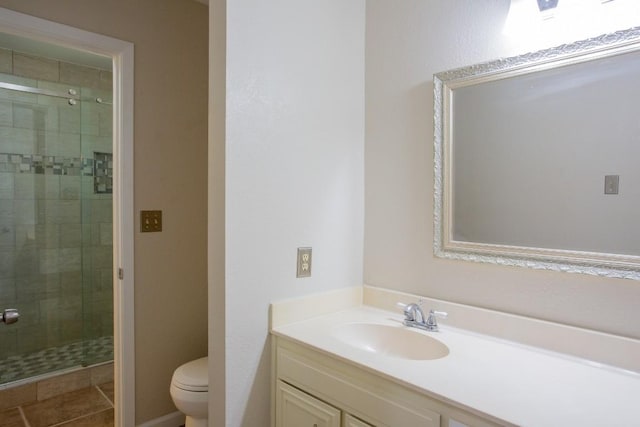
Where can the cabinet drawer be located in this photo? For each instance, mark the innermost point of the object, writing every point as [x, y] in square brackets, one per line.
[376, 401]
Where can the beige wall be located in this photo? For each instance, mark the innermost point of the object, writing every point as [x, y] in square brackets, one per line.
[406, 43]
[170, 38]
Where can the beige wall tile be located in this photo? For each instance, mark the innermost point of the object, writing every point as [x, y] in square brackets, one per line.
[35, 67]
[35, 186]
[7, 291]
[17, 141]
[69, 119]
[58, 211]
[79, 75]
[7, 211]
[102, 256]
[101, 211]
[35, 286]
[69, 187]
[25, 186]
[58, 144]
[7, 234]
[47, 236]
[6, 113]
[106, 81]
[9, 338]
[24, 212]
[34, 116]
[91, 143]
[47, 261]
[70, 259]
[106, 234]
[6, 186]
[6, 61]
[70, 235]
[102, 374]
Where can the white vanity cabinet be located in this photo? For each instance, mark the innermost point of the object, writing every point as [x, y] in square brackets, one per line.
[315, 389]
[298, 409]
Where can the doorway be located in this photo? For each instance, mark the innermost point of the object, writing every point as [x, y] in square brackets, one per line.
[105, 174]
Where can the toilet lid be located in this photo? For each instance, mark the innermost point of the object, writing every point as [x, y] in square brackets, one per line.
[192, 376]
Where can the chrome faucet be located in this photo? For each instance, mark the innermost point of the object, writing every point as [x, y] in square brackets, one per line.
[414, 317]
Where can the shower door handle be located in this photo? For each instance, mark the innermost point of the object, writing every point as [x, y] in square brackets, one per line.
[9, 316]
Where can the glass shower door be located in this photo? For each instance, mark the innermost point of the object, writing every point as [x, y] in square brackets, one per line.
[55, 241]
[40, 213]
[97, 225]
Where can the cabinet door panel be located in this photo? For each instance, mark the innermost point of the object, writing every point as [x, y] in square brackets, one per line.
[350, 421]
[298, 409]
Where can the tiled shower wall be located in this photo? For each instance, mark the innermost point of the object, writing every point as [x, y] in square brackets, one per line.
[55, 229]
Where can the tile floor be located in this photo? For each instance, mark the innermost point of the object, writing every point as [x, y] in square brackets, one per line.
[87, 407]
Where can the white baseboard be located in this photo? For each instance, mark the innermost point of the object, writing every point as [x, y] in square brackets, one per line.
[174, 419]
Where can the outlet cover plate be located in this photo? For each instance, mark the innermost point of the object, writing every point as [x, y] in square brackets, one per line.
[303, 264]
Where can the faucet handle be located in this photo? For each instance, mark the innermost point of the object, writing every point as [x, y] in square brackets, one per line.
[432, 322]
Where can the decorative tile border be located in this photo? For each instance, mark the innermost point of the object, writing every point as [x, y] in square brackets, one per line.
[100, 167]
[45, 165]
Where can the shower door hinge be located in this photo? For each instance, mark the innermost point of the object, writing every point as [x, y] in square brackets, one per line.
[120, 274]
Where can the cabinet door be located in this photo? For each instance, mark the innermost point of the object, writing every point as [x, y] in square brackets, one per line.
[351, 421]
[298, 409]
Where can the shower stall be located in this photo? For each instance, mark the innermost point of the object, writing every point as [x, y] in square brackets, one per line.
[56, 251]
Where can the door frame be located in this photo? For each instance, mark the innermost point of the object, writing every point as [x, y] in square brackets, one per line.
[121, 54]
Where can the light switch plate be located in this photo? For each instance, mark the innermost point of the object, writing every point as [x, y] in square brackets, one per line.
[150, 221]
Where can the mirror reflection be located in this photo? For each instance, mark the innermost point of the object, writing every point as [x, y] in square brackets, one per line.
[536, 159]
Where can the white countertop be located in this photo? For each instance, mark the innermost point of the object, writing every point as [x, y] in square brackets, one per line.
[514, 383]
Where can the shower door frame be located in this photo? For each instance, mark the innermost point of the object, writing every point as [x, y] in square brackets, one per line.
[121, 54]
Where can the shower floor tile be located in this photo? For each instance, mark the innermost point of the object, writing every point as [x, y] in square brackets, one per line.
[53, 359]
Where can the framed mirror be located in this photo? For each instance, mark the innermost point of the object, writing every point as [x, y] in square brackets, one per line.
[537, 159]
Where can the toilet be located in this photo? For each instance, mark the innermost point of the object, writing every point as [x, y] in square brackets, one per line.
[190, 391]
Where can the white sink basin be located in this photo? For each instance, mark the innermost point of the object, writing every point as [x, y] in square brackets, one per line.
[395, 341]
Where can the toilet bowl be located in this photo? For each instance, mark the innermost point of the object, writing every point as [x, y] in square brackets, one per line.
[190, 391]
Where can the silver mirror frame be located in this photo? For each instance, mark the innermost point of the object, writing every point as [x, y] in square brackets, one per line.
[593, 263]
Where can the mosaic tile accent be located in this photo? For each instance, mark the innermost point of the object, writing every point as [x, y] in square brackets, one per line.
[45, 165]
[101, 168]
[102, 173]
[53, 359]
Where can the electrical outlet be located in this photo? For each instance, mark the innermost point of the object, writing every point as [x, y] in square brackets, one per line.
[611, 184]
[303, 264]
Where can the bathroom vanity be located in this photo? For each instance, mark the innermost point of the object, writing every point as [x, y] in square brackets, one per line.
[316, 389]
[345, 368]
